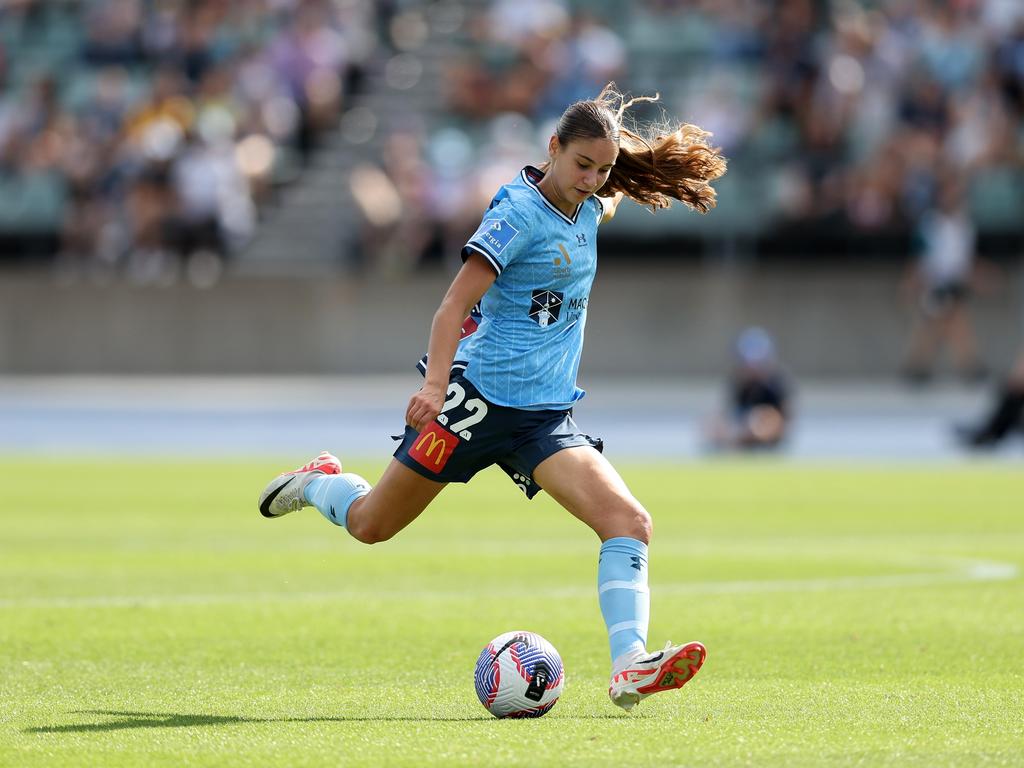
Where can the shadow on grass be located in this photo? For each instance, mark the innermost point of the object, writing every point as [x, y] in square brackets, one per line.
[128, 720]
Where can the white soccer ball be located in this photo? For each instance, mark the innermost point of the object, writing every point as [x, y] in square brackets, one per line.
[519, 674]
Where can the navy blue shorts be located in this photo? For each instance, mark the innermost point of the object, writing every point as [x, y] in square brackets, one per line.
[471, 433]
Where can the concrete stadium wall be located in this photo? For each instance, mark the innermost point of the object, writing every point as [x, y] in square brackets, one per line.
[646, 319]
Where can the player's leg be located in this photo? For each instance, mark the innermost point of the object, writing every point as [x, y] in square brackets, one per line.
[396, 500]
[587, 485]
[922, 346]
[583, 481]
[1005, 416]
[370, 513]
[424, 463]
[964, 344]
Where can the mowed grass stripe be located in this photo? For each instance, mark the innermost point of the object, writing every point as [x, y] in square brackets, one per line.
[969, 571]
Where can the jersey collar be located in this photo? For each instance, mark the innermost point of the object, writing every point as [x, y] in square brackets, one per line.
[532, 177]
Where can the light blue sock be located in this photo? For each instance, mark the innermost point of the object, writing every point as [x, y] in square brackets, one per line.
[623, 593]
[334, 494]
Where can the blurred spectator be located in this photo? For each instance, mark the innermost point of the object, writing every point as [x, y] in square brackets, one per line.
[310, 58]
[152, 226]
[941, 284]
[112, 33]
[758, 410]
[396, 206]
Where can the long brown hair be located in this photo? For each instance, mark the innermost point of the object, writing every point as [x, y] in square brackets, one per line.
[658, 162]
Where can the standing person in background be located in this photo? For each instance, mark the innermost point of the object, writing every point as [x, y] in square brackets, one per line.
[941, 281]
[500, 373]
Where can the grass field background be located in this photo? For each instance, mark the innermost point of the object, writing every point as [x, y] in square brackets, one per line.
[853, 616]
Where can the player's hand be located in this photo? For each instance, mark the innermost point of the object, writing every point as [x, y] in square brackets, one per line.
[424, 407]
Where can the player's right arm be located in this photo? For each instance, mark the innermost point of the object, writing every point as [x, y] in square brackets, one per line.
[469, 285]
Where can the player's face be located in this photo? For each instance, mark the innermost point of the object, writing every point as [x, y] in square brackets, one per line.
[581, 167]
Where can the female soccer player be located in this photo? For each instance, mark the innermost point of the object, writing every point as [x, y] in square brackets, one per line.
[500, 373]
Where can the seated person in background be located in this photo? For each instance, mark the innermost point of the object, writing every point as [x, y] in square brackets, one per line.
[758, 409]
[1005, 416]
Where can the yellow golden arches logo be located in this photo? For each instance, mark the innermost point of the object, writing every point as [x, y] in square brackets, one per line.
[565, 253]
[435, 441]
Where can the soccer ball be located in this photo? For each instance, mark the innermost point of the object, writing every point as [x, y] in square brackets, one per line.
[519, 674]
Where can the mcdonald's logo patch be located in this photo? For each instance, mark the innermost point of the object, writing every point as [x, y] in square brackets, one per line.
[434, 447]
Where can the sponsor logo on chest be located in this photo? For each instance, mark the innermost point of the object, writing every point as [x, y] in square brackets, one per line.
[563, 264]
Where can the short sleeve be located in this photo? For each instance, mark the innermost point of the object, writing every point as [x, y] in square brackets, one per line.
[499, 237]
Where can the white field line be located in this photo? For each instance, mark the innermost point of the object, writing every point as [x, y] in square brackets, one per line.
[959, 572]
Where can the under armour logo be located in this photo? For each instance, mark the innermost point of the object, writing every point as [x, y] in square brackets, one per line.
[581, 239]
[635, 562]
[332, 512]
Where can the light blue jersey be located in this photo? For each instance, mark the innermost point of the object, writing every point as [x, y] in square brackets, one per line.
[526, 350]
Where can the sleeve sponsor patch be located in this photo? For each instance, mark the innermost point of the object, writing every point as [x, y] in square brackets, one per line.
[495, 235]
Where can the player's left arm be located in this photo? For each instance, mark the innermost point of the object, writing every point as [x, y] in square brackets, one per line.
[609, 204]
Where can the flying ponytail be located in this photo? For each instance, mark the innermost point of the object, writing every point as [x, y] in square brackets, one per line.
[657, 163]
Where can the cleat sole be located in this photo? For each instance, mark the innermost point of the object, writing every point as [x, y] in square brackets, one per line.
[678, 670]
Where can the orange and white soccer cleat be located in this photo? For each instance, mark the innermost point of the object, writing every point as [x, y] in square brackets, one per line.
[284, 493]
[662, 671]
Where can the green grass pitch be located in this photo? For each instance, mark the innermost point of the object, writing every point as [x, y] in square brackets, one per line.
[853, 616]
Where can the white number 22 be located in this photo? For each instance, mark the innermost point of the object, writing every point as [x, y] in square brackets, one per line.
[477, 408]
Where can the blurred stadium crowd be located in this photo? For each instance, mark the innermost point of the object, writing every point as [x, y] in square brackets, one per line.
[837, 117]
[136, 131]
[139, 134]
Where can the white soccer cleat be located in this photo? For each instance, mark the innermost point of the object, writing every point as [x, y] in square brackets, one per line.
[284, 493]
[662, 671]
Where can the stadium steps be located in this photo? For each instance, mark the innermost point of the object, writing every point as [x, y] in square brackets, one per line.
[314, 228]
[304, 232]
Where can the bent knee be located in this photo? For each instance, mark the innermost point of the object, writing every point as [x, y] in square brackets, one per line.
[371, 535]
[369, 532]
[632, 521]
[643, 524]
